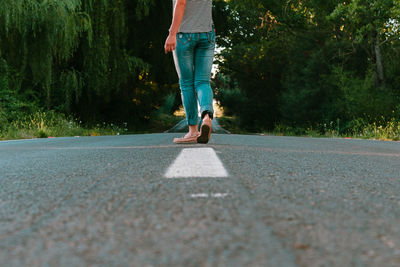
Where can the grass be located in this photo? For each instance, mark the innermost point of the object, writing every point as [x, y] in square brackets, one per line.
[51, 124]
[387, 130]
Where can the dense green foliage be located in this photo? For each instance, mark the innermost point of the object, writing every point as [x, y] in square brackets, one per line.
[98, 60]
[301, 64]
[309, 63]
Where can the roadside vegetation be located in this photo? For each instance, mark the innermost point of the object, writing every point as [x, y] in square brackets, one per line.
[48, 124]
[20, 119]
[385, 130]
[309, 68]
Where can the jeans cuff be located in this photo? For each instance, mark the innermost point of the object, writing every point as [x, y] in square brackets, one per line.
[192, 122]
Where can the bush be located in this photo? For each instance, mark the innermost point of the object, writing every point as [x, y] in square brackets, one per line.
[45, 124]
[382, 130]
[232, 101]
[360, 98]
[3, 120]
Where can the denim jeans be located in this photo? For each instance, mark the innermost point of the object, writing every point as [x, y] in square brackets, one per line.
[193, 59]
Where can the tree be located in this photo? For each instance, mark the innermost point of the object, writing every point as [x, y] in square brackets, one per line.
[310, 62]
[95, 59]
[34, 35]
[254, 57]
[368, 24]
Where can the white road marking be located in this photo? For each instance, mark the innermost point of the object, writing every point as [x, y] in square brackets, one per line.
[204, 195]
[196, 162]
[220, 195]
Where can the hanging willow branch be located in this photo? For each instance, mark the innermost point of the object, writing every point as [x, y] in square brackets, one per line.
[74, 52]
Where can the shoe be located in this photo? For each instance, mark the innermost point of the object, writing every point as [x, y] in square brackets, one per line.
[205, 132]
[186, 139]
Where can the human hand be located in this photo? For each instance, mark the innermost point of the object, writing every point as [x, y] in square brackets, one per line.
[170, 44]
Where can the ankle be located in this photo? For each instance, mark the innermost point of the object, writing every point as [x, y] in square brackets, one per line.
[207, 114]
[193, 129]
[206, 117]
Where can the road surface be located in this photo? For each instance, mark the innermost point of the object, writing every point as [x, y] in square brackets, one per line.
[139, 200]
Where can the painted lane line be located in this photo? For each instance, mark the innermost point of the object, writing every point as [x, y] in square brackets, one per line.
[204, 195]
[196, 162]
[220, 195]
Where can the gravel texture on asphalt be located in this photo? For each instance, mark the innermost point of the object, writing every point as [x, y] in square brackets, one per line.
[105, 201]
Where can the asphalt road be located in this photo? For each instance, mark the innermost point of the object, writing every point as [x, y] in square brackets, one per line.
[107, 201]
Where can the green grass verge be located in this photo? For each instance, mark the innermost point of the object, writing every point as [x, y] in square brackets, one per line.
[51, 124]
[388, 130]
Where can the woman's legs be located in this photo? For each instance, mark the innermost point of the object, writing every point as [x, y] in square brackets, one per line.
[193, 59]
[203, 60]
[204, 57]
[184, 63]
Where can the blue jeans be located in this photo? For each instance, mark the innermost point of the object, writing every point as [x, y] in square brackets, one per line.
[193, 59]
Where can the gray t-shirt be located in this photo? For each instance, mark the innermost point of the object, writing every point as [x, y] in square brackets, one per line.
[197, 16]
